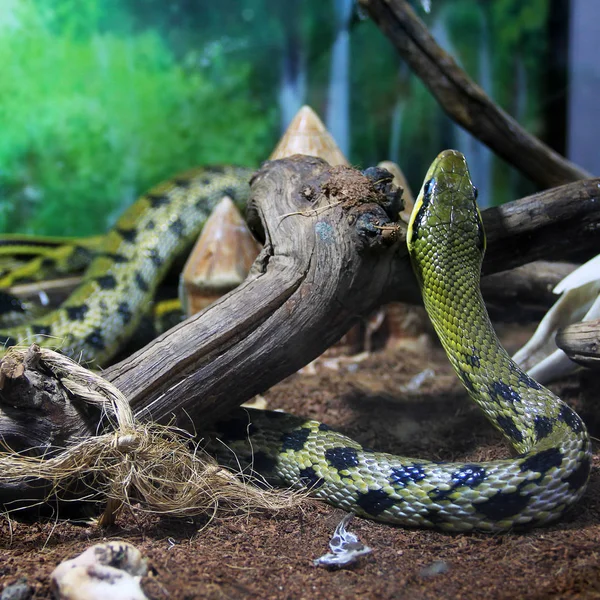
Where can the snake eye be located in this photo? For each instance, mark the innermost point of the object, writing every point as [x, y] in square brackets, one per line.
[475, 192]
[428, 187]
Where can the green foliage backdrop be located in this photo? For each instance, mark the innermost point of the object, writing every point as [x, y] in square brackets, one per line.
[90, 118]
[100, 99]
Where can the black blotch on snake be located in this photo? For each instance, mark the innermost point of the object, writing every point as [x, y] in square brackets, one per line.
[294, 440]
[502, 505]
[374, 502]
[128, 235]
[508, 426]
[528, 381]
[570, 417]
[468, 475]
[404, 475]
[157, 200]
[155, 257]
[177, 227]
[125, 312]
[106, 282]
[77, 313]
[499, 388]
[96, 340]
[140, 282]
[543, 461]
[464, 377]
[310, 479]
[543, 426]
[341, 458]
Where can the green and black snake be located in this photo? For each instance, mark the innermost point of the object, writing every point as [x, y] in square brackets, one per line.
[103, 312]
[446, 243]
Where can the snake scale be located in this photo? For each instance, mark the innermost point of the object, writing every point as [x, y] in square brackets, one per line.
[446, 243]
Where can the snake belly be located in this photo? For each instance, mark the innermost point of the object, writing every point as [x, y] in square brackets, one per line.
[104, 310]
[446, 242]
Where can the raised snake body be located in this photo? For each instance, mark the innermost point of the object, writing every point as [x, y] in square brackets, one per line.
[446, 243]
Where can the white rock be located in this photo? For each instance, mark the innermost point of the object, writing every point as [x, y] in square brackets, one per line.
[580, 301]
[112, 570]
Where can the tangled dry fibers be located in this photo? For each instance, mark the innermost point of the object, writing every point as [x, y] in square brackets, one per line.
[157, 468]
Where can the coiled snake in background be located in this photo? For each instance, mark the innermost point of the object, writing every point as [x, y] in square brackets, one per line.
[105, 309]
[446, 243]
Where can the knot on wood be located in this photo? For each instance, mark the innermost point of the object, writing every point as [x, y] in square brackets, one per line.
[353, 188]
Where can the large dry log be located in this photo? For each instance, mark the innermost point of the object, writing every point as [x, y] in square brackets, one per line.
[464, 100]
[325, 263]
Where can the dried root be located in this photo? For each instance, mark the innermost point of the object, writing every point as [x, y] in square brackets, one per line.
[158, 468]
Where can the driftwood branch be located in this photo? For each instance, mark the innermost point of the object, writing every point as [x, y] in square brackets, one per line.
[524, 293]
[464, 101]
[329, 247]
[560, 224]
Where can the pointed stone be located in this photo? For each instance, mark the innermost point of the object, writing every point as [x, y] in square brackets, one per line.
[220, 259]
[306, 134]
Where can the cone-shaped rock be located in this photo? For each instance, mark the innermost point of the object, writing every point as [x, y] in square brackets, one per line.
[306, 134]
[220, 259]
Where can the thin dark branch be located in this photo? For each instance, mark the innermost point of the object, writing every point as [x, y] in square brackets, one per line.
[464, 101]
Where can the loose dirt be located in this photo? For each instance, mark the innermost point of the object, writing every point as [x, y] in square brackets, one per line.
[270, 556]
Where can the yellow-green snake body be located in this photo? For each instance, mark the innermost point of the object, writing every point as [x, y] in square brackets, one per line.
[446, 243]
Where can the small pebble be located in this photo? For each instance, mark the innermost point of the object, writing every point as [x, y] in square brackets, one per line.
[17, 591]
[435, 568]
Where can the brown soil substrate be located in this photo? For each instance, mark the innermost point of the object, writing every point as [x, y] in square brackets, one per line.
[270, 556]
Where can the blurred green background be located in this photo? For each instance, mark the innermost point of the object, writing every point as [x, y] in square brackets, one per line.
[100, 99]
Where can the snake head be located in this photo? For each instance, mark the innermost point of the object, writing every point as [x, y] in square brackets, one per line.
[445, 218]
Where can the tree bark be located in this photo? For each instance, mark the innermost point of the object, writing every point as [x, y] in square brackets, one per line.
[329, 246]
[464, 101]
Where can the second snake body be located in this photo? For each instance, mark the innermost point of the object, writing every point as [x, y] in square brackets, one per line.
[104, 310]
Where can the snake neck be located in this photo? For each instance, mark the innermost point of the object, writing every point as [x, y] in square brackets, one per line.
[525, 412]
